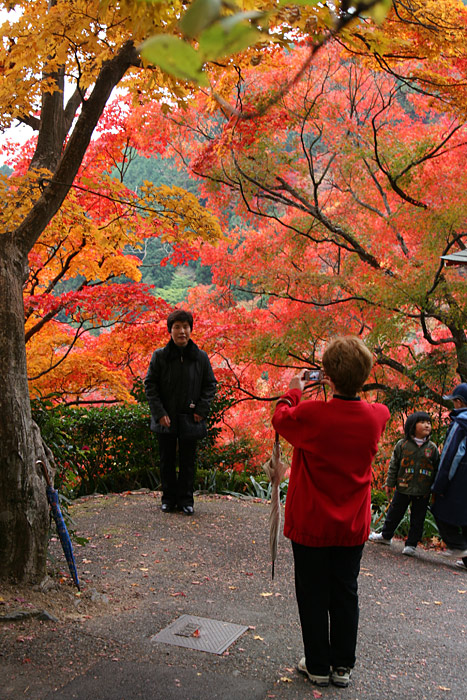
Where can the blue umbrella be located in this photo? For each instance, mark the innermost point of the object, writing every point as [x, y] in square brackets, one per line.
[52, 497]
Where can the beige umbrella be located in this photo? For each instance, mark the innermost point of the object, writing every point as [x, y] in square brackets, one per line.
[275, 470]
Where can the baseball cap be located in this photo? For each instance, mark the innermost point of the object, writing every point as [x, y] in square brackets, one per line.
[460, 392]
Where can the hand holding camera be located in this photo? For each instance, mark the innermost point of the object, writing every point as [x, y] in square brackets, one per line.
[313, 375]
[307, 379]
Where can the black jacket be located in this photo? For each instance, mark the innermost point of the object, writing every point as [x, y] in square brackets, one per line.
[179, 380]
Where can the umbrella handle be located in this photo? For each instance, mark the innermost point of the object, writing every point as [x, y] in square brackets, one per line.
[44, 471]
[276, 439]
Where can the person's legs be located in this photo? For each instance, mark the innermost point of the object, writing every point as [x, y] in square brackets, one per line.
[312, 591]
[399, 504]
[186, 473]
[453, 536]
[418, 508]
[343, 609]
[167, 465]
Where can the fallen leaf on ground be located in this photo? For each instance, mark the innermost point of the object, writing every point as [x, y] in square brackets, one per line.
[265, 595]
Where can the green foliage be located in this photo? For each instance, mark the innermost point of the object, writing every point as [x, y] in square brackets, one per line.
[177, 291]
[379, 500]
[152, 273]
[159, 171]
[217, 36]
[100, 449]
[262, 489]
[111, 449]
[221, 481]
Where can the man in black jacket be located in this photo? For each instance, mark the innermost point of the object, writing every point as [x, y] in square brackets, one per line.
[180, 386]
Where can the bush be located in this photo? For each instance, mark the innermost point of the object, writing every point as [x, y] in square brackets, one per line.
[100, 449]
[111, 449]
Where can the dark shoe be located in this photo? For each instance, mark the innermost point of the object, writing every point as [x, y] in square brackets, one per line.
[188, 510]
[167, 508]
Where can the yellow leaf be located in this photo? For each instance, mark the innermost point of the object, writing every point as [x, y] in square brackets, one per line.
[265, 595]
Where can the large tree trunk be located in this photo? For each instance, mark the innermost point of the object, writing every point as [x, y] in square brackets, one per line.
[23, 502]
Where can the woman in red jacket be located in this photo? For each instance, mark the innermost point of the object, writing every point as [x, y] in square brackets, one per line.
[328, 506]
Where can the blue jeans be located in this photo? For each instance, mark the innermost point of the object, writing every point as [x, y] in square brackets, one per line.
[327, 596]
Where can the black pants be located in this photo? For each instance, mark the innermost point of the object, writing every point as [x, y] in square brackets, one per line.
[397, 509]
[327, 596]
[177, 487]
[453, 536]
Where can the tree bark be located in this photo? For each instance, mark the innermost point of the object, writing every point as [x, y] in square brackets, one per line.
[23, 502]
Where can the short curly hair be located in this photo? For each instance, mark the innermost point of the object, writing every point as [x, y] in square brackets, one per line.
[347, 362]
[179, 315]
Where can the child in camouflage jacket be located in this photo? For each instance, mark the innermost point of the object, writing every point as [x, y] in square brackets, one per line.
[412, 470]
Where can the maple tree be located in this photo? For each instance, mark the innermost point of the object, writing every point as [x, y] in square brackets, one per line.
[59, 63]
[422, 44]
[81, 278]
[350, 189]
[89, 48]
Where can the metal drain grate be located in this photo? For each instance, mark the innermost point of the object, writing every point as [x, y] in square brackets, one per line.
[200, 633]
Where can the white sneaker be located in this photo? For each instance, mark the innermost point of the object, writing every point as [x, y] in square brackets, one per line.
[409, 551]
[340, 676]
[321, 681]
[460, 564]
[378, 537]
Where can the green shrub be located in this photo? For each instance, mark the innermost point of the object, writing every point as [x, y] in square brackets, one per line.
[217, 481]
[262, 488]
[111, 449]
[100, 449]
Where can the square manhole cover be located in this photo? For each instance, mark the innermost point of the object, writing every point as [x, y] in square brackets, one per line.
[200, 633]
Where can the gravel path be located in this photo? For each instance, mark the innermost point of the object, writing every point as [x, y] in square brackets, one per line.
[142, 569]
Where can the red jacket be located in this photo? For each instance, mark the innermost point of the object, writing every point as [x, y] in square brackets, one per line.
[329, 500]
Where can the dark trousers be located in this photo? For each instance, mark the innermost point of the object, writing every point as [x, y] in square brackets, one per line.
[453, 536]
[327, 595]
[397, 509]
[177, 487]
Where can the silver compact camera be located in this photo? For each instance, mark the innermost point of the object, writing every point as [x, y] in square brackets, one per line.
[313, 375]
